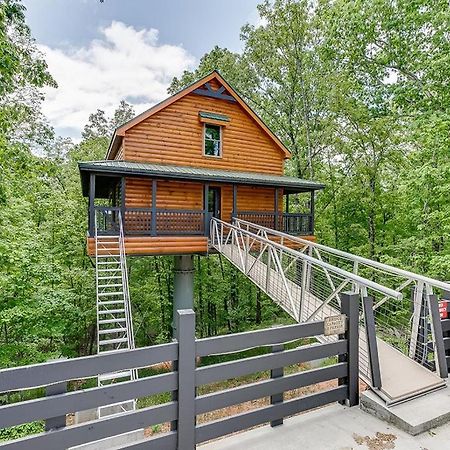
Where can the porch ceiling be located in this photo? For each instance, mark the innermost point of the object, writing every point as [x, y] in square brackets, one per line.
[128, 168]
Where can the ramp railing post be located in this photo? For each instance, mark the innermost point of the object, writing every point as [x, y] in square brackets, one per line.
[371, 338]
[438, 337]
[186, 379]
[350, 307]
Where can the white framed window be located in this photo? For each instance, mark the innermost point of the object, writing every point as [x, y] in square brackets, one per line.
[212, 140]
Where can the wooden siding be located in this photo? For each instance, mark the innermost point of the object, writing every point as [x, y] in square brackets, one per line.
[172, 194]
[161, 245]
[174, 135]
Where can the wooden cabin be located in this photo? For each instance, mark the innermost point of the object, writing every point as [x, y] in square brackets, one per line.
[199, 154]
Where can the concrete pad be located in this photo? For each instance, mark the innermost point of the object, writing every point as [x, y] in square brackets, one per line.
[334, 427]
[414, 416]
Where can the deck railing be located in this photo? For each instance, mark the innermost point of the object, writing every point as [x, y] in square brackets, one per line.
[146, 221]
[291, 223]
[186, 411]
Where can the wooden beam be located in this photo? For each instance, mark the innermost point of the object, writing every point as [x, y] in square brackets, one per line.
[91, 205]
[154, 189]
[234, 210]
[205, 207]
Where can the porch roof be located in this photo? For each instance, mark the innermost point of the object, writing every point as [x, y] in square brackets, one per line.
[154, 170]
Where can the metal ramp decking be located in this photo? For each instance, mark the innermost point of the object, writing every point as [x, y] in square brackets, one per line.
[308, 289]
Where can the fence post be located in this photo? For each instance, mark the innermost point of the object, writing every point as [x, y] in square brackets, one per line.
[53, 423]
[436, 327]
[186, 379]
[277, 373]
[350, 307]
[372, 347]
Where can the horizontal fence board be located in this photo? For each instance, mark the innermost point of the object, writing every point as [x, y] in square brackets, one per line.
[240, 394]
[89, 366]
[234, 369]
[59, 405]
[94, 431]
[243, 341]
[167, 441]
[212, 430]
[445, 324]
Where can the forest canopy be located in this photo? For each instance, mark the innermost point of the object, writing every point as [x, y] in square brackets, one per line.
[357, 90]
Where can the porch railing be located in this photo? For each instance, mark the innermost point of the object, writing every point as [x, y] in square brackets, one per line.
[146, 221]
[186, 381]
[291, 223]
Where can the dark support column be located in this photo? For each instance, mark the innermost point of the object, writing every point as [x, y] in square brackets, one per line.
[205, 207]
[439, 350]
[154, 188]
[350, 307]
[275, 204]
[91, 205]
[55, 422]
[312, 211]
[122, 199]
[287, 203]
[371, 337]
[183, 286]
[234, 213]
[186, 379]
[277, 373]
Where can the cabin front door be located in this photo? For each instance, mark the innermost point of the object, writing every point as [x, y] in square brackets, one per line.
[214, 202]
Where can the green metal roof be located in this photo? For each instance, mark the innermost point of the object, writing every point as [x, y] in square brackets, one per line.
[127, 168]
[213, 116]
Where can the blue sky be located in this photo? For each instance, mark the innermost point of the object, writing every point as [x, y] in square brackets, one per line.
[100, 53]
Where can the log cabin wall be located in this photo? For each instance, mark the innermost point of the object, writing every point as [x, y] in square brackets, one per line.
[174, 135]
[173, 194]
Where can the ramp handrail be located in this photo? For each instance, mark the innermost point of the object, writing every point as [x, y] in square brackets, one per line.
[356, 258]
[344, 273]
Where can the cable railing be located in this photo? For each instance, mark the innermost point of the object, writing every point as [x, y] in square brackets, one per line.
[404, 322]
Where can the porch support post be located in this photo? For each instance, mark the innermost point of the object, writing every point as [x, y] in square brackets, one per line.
[234, 212]
[205, 207]
[91, 204]
[287, 203]
[153, 226]
[183, 286]
[275, 204]
[312, 212]
[122, 200]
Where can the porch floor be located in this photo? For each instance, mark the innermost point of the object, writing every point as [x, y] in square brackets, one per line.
[334, 427]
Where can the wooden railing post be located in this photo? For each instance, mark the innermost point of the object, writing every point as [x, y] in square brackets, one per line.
[153, 217]
[350, 307]
[54, 423]
[186, 379]
[277, 373]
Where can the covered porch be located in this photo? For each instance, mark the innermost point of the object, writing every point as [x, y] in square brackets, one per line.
[156, 200]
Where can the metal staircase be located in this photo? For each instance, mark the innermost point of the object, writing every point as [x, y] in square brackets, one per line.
[307, 284]
[114, 320]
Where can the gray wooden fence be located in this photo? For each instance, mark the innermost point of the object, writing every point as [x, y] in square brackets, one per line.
[185, 406]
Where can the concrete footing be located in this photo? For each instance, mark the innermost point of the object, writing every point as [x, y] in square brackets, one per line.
[414, 416]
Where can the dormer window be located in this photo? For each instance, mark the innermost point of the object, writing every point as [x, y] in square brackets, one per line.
[212, 145]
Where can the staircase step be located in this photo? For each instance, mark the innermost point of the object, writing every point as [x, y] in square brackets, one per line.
[112, 330]
[108, 270]
[110, 285]
[113, 277]
[113, 376]
[113, 341]
[107, 321]
[109, 262]
[111, 302]
[109, 294]
[112, 311]
[108, 256]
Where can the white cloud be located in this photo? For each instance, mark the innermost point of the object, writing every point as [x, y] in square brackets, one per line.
[124, 63]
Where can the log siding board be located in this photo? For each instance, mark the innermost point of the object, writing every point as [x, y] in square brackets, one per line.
[175, 135]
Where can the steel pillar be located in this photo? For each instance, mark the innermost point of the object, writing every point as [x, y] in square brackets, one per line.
[183, 286]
